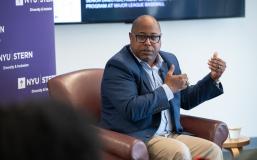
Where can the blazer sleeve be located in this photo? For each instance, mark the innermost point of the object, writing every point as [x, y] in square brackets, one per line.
[203, 90]
[125, 90]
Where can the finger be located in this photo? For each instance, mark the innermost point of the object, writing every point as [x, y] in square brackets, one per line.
[217, 59]
[215, 69]
[219, 63]
[186, 82]
[222, 63]
[213, 63]
[171, 70]
[215, 54]
[183, 76]
[185, 79]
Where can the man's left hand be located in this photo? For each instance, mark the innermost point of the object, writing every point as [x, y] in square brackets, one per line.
[217, 66]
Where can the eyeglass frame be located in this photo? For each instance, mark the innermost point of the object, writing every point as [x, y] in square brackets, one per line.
[147, 37]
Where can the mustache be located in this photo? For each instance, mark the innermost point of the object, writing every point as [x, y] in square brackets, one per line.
[147, 50]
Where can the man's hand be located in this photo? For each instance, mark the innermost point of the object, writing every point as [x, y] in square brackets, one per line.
[176, 82]
[217, 66]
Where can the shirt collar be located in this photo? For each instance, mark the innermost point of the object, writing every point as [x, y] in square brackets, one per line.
[158, 64]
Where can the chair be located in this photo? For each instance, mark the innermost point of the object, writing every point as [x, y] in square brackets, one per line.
[81, 89]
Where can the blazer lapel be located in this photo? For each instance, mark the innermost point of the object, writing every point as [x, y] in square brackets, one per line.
[163, 70]
[141, 71]
[174, 109]
[145, 78]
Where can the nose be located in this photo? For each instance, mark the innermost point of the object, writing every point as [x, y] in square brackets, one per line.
[147, 41]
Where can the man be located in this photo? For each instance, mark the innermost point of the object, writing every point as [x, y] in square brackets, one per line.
[143, 90]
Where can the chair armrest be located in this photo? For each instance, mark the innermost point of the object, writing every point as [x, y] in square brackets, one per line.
[213, 130]
[123, 146]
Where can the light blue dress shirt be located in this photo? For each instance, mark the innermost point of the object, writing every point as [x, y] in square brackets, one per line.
[165, 127]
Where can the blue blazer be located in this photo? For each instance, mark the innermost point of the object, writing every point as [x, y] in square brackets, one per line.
[130, 106]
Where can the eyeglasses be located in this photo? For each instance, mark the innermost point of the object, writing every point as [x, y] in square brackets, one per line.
[141, 38]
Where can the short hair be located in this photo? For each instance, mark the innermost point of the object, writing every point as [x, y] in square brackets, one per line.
[137, 21]
[46, 130]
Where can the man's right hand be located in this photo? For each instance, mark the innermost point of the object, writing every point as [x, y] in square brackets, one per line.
[176, 82]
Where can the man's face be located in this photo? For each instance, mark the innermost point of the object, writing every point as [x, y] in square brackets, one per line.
[145, 41]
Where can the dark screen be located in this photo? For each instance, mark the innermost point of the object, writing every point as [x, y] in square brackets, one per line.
[96, 11]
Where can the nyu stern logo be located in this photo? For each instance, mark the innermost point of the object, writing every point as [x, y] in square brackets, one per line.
[24, 82]
[22, 2]
[19, 2]
[21, 83]
[1, 29]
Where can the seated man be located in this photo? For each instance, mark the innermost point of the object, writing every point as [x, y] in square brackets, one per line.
[46, 130]
[143, 90]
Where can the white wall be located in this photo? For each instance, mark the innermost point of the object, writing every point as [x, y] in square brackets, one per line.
[193, 41]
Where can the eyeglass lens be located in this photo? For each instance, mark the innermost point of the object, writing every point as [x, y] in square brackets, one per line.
[152, 38]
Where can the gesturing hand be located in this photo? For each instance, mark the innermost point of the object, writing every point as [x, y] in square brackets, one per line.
[176, 82]
[217, 66]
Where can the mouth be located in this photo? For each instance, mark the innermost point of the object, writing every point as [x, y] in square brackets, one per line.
[146, 51]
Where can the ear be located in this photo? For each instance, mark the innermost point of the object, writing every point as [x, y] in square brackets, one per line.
[130, 36]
